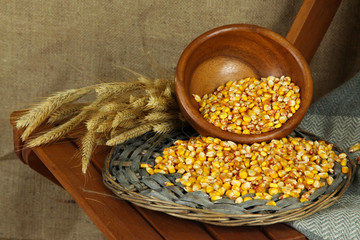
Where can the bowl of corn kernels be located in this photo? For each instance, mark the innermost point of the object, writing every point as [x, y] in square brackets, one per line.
[243, 83]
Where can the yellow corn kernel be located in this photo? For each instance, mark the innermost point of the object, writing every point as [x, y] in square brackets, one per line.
[243, 174]
[309, 174]
[316, 184]
[150, 171]
[343, 162]
[197, 97]
[250, 179]
[171, 169]
[227, 186]
[309, 181]
[169, 184]
[246, 131]
[246, 186]
[159, 171]
[329, 180]
[273, 173]
[145, 165]
[282, 173]
[354, 148]
[209, 189]
[345, 170]
[215, 197]
[239, 200]
[271, 203]
[282, 119]
[247, 118]
[247, 199]
[158, 159]
[303, 199]
[273, 191]
[323, 175]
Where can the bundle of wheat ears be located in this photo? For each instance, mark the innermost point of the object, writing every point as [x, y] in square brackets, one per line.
[119, 112]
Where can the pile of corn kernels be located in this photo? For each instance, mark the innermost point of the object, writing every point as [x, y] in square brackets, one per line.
[292, 167]
[251, 106]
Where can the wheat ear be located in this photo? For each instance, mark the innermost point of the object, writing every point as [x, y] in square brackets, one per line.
[159, 116]
[65, 112]
[132, 133]
[87, 146]
[164, 127]
[124, 115]
[107, 89]
[95, 119]
[58, 132]
[38, 114]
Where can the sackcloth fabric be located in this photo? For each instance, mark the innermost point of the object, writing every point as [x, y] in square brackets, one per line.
[336, 118]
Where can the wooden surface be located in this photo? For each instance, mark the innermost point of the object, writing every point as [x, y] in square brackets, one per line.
[311, 24]
[119, 219]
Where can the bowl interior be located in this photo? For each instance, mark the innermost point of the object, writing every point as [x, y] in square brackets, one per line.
[233, 52]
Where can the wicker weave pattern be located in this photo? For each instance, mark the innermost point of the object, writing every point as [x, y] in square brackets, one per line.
[123, 175]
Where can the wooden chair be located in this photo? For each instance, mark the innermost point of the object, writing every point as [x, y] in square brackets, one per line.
[119, 219]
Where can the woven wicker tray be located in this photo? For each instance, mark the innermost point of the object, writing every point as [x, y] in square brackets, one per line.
[123, 175]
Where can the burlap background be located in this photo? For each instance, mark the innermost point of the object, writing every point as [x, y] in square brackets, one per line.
[47, 46]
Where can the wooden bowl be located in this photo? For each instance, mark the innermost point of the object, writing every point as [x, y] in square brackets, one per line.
[233, 52]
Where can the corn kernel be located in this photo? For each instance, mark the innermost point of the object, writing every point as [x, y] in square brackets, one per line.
[215, 197]
[329, 180]
[343, 162]
[273, 191]
[239, 200]
[345, 170]
[243, 174]
[247, 199]
[354, 148]
[150, 171]
[271, 203]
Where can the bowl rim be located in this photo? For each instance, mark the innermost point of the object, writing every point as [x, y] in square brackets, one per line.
[194, 117]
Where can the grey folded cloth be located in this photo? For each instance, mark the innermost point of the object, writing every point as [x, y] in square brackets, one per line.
[336, 118]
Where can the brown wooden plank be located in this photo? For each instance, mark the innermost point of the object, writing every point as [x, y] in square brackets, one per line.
[116, 219]
[175, 228]
[282, 232]
[311, 24]
[36, 164]
[229, 233]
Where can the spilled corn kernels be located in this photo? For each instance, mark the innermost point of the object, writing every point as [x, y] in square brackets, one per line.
[292, 167]
[251, 106]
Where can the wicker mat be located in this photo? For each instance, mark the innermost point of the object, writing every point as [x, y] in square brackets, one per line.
[336, 117]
